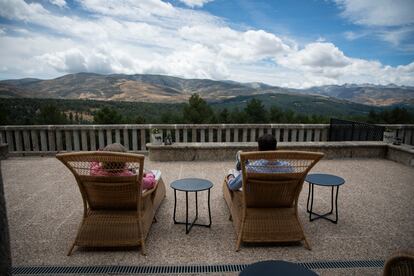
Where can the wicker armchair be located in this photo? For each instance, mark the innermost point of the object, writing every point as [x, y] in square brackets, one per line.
[400, 264]
[265, 210]
[116, 212]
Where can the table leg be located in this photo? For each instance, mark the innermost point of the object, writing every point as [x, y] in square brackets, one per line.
[307, 202]
[175, 206]
[188, 225]
[209, 210]
[311, 207]
[196, 202]
[324, 216]
[332, 203]
[186, 213]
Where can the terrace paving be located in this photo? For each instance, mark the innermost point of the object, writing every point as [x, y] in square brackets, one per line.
[376, 218]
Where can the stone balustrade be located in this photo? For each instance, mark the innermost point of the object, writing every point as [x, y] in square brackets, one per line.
[44, 139]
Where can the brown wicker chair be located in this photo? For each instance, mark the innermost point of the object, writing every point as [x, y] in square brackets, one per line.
[116, 213]
[265, 210]
[400, 264]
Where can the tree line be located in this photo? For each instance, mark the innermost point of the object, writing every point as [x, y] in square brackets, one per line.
[195, 111]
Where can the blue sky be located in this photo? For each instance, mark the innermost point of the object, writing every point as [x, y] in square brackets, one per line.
[286, 43]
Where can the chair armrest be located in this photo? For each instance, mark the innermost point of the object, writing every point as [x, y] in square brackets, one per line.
[150, 191]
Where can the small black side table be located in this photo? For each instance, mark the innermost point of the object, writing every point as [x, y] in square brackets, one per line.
[191, 185]
[322, 179]
[271, 268]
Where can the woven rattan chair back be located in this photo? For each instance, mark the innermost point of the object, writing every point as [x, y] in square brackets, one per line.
[107, 180]
[274, 179]
[116, 213]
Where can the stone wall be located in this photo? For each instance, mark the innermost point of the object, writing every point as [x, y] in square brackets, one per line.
[227, 151]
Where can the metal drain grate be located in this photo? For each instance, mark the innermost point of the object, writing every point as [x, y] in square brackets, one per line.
[179, 269]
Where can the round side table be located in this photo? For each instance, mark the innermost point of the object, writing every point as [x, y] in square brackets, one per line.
[191, 185]
[327, 180]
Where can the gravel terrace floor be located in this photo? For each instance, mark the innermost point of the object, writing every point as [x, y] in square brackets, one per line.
[376, 218]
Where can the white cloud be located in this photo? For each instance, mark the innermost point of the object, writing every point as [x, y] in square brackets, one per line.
[316, 55]
[378, 12]
[59, 3]
[153, 36]
[195, 3]
[390, 20]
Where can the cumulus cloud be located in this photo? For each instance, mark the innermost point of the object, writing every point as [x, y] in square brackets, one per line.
[153, 36]
[195, 3]
[378, 12]
[316, 55]
[59, 3]
[390, 20]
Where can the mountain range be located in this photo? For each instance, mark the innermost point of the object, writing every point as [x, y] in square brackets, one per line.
[167, 89]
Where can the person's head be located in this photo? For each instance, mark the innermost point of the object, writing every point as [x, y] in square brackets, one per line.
[115, 147]
[114, 166]
[267, 142]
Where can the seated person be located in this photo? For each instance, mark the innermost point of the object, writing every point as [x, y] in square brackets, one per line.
[265, 143]
[120, 169]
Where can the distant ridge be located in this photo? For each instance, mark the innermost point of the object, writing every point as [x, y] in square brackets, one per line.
[167, 89]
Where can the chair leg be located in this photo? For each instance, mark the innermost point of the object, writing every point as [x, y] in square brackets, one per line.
[143, 249]
[238, 241]
[71, 249]
[307, 246]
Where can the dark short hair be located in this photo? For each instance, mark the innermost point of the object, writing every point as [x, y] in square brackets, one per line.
[267, 142]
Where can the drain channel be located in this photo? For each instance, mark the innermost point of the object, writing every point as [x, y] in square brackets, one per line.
[179, 269]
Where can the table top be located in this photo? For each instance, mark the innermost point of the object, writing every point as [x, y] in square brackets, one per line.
[276, 268]
[323, 179]
[191, 184]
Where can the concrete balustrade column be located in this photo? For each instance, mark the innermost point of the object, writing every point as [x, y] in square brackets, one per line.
[236, 135]
[317, 135]
[252, 135]
[177, 135]
[210, 135]
[92, 139]
[194, 135]
[219, 135]
[101, 139]
[18, 140]
[301, 137]
[108, 137]
[134, 140]
[43, 140]
[244, 134]
[51, 139]
[35, 140]
[286, 135]
[308, 135]
[76, 143]
[293, 136]
[277, 134]
[227, 135]
[59, 140]
[143, 139]
[84, 140]
[125, 136]
[202, 135]
[68, 140]
[118, 136]
[10, 142]
[185, 135]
